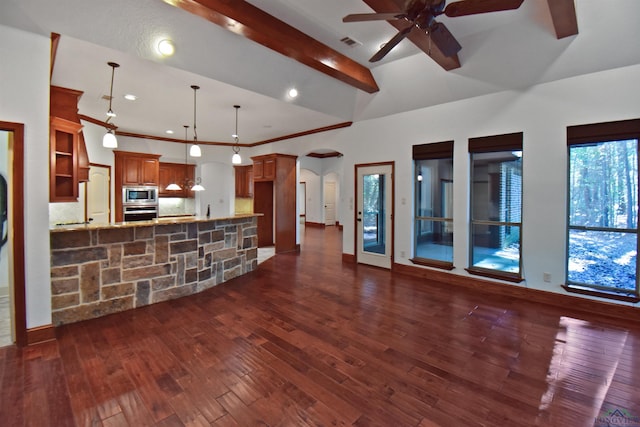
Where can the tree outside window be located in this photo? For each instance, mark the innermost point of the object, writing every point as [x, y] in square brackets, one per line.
[602, 241]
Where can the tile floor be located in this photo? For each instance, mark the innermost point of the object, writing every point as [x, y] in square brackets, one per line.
[5, 323]
[265, 253]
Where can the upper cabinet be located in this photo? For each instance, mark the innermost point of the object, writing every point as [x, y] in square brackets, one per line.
[264, 167]
[69, 162]
[63, 170]
[176, 173]
[137, 168]
[244, 181]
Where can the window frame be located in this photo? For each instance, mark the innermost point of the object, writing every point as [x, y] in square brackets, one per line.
[488, 144]
[432, 151]
[592, 134]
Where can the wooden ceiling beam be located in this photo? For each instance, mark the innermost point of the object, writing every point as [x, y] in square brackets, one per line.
[246, 20]
[563, 15]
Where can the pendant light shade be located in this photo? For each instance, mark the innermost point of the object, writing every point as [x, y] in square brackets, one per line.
[195, 148]
[195, 151]
[197, 186]
[109, 139]
[236, 159]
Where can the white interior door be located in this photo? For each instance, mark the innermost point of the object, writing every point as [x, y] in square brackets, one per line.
[374, 218]
[98, 194]
[330, 203]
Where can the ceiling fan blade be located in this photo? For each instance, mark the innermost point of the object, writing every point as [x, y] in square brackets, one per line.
[360, 17]
[391, 44]
[473, 7]
[442, 37]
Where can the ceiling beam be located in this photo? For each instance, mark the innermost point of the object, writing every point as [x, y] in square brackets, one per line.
[246, 20]
[563, 15]
[383, 6]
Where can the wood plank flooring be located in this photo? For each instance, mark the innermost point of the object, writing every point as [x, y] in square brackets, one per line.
[308, 341]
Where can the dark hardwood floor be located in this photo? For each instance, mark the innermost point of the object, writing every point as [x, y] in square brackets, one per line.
[307, 340]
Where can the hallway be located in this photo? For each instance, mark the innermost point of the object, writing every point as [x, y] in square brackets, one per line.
[308, 340]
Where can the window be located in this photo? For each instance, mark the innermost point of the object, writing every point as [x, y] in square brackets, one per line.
[496, 206]
[602, 238]
[433, 227]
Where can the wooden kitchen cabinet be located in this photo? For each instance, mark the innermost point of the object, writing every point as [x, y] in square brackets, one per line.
[133, 169]
[264, 167]
[63, 147]
[178, 173]
[69, 162]
[258, 168]
[137, 168]
[274, 196]
[244, 181]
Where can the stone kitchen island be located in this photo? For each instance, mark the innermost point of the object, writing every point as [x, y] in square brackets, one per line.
[102, 269]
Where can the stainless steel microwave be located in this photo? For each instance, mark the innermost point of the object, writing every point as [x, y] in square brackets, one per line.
[140, 195]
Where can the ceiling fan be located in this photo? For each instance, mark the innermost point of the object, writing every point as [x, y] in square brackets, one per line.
[421, 17]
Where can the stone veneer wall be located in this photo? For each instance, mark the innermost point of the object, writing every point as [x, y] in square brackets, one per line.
[103, 271]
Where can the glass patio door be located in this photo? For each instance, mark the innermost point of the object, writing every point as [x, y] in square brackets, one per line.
[374, 215]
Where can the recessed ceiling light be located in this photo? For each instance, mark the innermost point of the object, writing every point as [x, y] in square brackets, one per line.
[293, 92]
[166, 47]
[168, 131]
[130, 97]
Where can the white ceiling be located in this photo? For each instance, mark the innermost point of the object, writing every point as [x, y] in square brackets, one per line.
[501, 51]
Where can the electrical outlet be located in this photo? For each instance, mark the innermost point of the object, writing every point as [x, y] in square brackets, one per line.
[546, 277]
[402, 254]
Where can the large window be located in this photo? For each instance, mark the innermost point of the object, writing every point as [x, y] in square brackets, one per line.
[602, 241]
[433, 228]
[496, 206]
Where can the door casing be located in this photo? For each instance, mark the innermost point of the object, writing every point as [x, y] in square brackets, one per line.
[392, 208]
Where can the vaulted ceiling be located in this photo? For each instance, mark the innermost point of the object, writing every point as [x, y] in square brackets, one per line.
[251, 52]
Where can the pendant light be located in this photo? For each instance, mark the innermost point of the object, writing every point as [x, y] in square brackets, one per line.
[195, 148]
[174, 186]
[109, 139]
[236, 159]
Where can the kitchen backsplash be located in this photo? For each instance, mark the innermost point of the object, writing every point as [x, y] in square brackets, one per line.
[168, 206]
[243, 205]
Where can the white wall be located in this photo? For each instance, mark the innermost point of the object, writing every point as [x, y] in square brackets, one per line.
[542, 113]
[314, 195]
[218, 180]
[24, 85]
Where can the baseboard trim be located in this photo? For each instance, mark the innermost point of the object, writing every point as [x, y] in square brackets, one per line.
[41, 334]
[314, 224]
[604, 308]
[348, 258]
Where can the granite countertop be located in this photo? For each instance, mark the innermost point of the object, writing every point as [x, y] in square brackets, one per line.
[159, 221]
